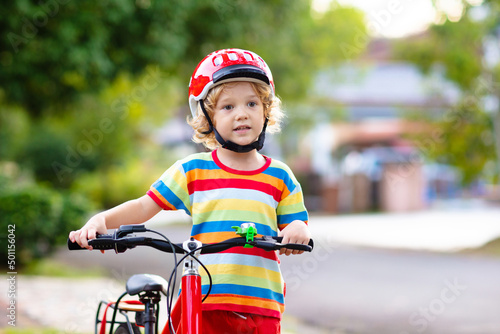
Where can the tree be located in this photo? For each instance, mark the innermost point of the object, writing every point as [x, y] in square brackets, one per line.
[457, 47]
[54, 50]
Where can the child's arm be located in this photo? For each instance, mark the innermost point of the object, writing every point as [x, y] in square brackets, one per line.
[136, 211]
[296, 232]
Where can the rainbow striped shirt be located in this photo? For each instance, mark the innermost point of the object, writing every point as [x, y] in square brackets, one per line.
[246, 280]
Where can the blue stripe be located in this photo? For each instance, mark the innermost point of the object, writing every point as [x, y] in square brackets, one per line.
[281, 174]
[226, 226]
[199, 164]
[287, 219]
[244, 290]
[170, 196]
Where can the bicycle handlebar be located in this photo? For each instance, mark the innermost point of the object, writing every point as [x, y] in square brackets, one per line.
[120, 241]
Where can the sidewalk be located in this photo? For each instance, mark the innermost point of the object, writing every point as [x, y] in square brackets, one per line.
[444, 230]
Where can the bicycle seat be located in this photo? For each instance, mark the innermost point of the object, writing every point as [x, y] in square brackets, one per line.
[146, 282]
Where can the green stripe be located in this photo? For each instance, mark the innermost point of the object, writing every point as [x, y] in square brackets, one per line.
[243, 280]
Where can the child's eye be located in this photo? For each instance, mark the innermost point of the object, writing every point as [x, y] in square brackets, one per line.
[252, 104]
[228, 107]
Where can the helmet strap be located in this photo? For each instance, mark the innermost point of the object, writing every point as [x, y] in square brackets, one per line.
[227, 144]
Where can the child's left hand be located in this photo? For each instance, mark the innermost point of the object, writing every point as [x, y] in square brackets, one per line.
[296, 232]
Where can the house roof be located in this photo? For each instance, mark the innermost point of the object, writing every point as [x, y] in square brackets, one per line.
[386, 84]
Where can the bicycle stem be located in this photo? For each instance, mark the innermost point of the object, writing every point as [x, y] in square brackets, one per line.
[191, 290]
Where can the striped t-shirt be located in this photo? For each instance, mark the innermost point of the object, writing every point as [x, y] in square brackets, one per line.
[217, 197]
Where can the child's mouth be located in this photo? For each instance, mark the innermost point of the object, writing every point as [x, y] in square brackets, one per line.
[242, 128]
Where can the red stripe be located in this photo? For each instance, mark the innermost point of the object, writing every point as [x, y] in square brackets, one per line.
[157, 200]
[242, 309]
[270, 255]
[213, 184]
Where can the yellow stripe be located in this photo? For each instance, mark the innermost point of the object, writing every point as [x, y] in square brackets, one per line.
[179, 178]
[242, 270]
[245, 281]
[236, 215]
[293, 199]
[250, 301]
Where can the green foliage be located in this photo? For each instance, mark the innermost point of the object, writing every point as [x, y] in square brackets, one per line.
[53, 51]
[31, 331]
[14, 130]
[462, 137]
[467, 138]
[120, 183]
[42, 219]
[455, 46]
[43, 147]
[54, 268]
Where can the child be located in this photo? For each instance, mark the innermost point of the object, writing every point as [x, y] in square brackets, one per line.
[233, 103]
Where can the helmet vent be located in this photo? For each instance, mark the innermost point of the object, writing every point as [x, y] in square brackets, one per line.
[218, 60]
[247, 56]
[232, 56]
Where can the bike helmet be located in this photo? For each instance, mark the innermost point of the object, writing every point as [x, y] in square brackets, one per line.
[225, 66]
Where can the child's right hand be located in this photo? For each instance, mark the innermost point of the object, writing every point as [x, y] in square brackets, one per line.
[89, 231]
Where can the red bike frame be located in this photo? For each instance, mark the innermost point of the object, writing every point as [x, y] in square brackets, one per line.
[191, 304]
[190, 317]
[187, 311]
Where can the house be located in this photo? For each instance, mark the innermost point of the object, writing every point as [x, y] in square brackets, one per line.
[362, 160]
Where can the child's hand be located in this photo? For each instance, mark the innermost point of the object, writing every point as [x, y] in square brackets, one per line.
[294, 233]
[95, 225]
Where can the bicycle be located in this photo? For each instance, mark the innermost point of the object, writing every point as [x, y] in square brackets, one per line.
[150, 287]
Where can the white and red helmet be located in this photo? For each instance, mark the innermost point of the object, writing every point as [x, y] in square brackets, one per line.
[224, 66]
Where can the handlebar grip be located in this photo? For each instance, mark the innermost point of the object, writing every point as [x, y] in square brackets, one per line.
[308, 248]
[103, 241]
[299, 247]
[74, 246]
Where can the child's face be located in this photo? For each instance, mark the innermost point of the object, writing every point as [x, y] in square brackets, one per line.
[239, 113]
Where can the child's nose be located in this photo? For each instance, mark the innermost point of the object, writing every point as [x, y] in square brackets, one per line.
[241, 113]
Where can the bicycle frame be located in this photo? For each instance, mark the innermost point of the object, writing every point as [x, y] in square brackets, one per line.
[191, 304]
[187, 312]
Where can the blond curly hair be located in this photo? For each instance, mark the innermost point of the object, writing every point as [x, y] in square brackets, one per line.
[272, 111]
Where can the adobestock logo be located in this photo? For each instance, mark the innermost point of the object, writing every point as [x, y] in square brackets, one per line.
[31, 25]
[310, 263]
[421, 319]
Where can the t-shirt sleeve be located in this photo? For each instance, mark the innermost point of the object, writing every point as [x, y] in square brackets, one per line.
[170, 191]
[291, 207]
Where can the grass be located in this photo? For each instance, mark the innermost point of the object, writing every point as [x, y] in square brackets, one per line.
[492, 248]
[31, 331]
[49, 267]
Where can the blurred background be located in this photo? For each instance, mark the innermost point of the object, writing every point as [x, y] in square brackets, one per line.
[392, 110]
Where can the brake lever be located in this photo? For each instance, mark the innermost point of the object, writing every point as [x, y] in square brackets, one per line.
[127, 229]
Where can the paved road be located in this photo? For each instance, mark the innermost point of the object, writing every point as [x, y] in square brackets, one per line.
[379, 291]
[346, 289]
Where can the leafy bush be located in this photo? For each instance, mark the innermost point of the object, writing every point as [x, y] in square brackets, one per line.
[119, 184]
[42, 219]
